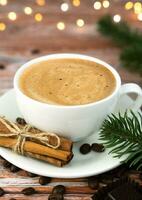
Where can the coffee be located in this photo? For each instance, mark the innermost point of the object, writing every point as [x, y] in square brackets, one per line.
[67, 81]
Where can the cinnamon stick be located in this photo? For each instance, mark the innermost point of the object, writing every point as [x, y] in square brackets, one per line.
[54, 161]
[35, 148]
[65, 144]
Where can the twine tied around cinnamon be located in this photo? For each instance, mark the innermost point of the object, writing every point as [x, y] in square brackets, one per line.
[24, 133]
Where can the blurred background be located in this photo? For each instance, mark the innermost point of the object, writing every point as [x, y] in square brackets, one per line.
[31, 28]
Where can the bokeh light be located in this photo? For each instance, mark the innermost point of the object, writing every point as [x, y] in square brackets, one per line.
[2, 26]
[139, 17]
[76, 3]
[61, 26]
[117, 18]
[28, 10]
[106, 4]
[40, 2]
[38, 17]
[129, 5]
[64, 7]
[80, 22]
[97, 5]
[3, 2]
[137, 8]
[12, 16]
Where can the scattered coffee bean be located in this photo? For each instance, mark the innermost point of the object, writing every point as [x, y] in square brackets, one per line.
[56, 197]
[106, 178]
[2, 66]
[93, 183]
[28, 191]
[44, 180]
[85, 148]
[21, 121]
[2, 192]
[35, 51]
[6, 164]
[106, 181]
[14, 169]
[98, 147]
[31, 174]
[59, 189]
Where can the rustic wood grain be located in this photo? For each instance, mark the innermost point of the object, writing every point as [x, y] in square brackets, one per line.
[25, 35]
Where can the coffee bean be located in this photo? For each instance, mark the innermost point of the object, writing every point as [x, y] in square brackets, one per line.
[106, 181]
[98, 147]
[6, 164]
[56, 197]
[59, 189]
[35, 51]
[28, 191]
[106, 178]
[31, 174]
[2, 192]
[14, 169]
[93, 183]
[12, 199]
[85, 148]
[21, 121]
[2, 66]
[44, 180]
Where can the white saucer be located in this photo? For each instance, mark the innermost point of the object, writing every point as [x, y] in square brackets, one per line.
[81, 165]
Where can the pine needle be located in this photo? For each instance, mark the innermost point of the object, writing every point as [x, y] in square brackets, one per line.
[120, 32]
[131, 58]
[123, 135]
[129, 39]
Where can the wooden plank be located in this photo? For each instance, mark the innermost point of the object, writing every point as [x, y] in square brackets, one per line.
[45, 197]
[71, 188]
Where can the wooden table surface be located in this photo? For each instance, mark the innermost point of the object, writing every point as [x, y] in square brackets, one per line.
[25, 39]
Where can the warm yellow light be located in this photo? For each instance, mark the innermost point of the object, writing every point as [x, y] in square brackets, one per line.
[40, 2]
[28, 10]
[76, 3]
[60, 26]
[106, 4]
[12, 16]
[97, 5]
[3, 2]
[64, 7]
[80, 22]
[38, 17]
[139, 17]
[137, 7]
[129, 5]
[2, 26]
[117, 18]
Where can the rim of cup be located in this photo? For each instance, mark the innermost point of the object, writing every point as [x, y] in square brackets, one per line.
[61, 56]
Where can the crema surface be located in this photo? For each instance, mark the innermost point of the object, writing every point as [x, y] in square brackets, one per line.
[67, 82]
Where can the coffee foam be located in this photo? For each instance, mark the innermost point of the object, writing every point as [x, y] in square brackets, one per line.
[67, 81]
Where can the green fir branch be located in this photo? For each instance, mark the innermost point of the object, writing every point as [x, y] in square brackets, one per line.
[123, 136]
[131, 58]
[120, 32]
[129, 39]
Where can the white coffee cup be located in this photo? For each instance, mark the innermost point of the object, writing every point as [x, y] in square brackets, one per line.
[75, 122]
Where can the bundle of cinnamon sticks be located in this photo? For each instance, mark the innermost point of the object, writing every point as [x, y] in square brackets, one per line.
[33, 148]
